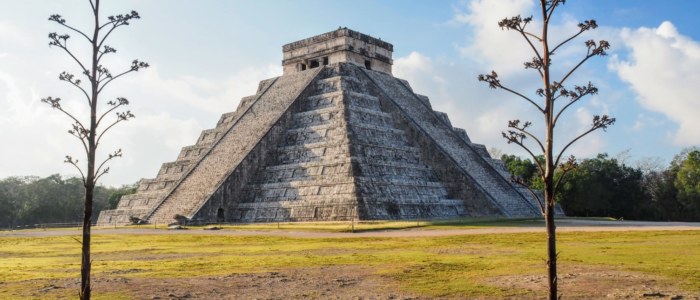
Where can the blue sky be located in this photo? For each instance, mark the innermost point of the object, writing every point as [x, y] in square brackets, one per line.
[206, 55]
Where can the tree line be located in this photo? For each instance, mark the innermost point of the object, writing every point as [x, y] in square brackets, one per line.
[28, 200]
[605, 186]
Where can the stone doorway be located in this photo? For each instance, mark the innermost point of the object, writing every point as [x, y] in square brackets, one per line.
[220, 216]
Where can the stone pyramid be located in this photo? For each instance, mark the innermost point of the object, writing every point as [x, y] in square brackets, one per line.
[336, 137]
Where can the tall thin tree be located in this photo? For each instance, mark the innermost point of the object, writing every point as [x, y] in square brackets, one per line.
[91, 131]
[555, 98]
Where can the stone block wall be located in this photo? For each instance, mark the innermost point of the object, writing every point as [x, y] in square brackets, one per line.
[337, 142]
[501, 193]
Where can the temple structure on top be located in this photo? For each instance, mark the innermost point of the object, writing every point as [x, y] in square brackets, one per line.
[339, 46]
[336, 137]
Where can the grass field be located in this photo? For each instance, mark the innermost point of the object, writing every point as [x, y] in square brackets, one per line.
[453, 266]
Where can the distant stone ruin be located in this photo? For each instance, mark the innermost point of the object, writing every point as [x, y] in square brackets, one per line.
[336, 137]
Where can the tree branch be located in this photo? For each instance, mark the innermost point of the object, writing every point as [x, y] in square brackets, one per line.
[56, 104]
[120, 102]
[135, 66]
[123, 116]
[65, 76]
[515, 124]
[550, 11]
[565, 168]
[593, 50]
[494, 82]
[99, 172]
[106, 35]
[81, 133]
[107, 49]
[117, 21]
[514, 140]
[521, 182]
[70, 160]
[598, 123]
[576, 95]
[58, 19]
[56, 41]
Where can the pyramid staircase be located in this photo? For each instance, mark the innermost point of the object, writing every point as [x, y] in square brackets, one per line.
[336, 142]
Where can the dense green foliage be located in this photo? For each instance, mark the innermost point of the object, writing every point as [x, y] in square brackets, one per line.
[522, 168]
[605, 187]
[53, 199]
[601, 186]
[688, 182]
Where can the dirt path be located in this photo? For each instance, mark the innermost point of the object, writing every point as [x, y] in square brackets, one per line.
[564, 225]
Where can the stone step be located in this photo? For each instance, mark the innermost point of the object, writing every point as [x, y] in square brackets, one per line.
[136, 201]
[193, 152]
[317, 117]
[267, 196]
[357, 115]
[231, 150]
[331, 99]
[227, 118]
[175, 168]
[208, 136]
[287, 173]
[396, 153]
[281, 211]
[471, 163]
[361, 100]
[154, 184]
[301, 154]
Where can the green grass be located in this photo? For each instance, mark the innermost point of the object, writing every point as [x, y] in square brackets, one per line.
[435, 266]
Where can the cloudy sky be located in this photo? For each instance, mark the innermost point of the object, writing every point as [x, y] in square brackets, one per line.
[206, 55]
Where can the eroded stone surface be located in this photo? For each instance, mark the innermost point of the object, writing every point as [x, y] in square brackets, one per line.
[333, 142]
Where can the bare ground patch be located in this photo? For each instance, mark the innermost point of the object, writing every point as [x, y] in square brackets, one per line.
[350, 282]
[331, 282]
[593, 282]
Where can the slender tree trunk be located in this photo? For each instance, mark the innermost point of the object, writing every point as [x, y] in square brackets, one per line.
[549, 219]
[86, 263]
[551, 250]
[549, 161]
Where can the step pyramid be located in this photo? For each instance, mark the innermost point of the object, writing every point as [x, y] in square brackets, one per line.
[336, 137]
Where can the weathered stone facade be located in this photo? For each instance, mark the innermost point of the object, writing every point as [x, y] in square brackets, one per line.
[342, 45]
[337, 140]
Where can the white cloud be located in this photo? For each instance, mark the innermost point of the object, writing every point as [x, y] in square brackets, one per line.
[205, 94]
[490, 44]
[591, 144]
[170, 114]
[662, 69]
[148, 141]
[484, 112]
[453, 88]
